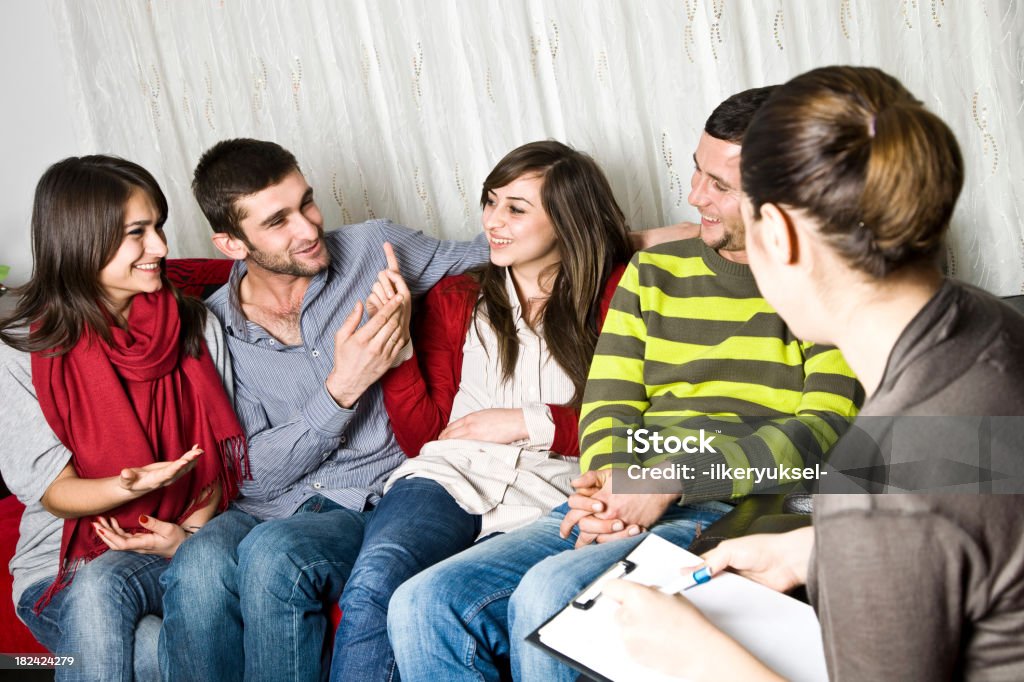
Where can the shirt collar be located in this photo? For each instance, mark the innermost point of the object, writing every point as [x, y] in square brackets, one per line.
[513, 296]
[237, 324]
[234, 318]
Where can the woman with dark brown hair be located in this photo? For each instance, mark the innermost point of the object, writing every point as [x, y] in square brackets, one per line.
[110, 397]
[850, 186]
[488, 407]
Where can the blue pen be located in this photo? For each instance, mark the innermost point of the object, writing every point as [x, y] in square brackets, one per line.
[685, 582]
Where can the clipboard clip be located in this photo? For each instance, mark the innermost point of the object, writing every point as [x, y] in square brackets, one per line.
[585, 599]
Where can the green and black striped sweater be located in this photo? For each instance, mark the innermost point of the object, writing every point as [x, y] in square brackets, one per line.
[690, 344]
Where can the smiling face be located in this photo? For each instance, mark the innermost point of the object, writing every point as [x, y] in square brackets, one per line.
[715, 192]
[518, 228]
[284, 228]
[135, 267]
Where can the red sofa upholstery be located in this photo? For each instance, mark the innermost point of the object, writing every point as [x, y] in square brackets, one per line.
[14, 635]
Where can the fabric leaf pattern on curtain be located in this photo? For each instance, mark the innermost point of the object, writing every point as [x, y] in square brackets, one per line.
[398, 108]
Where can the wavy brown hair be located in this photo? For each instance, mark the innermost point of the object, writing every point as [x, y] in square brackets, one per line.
[852, 147]
[592, 237]
[77, 227]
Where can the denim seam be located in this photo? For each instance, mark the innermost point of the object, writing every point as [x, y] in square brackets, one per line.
[470, 614]
[297, 617]
[151, 559]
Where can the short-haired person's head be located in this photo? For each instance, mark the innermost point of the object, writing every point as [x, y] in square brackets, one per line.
[586, 236]
[730, 119]
[715, 184]
[853, 149]
[261, 208]
[232, 169]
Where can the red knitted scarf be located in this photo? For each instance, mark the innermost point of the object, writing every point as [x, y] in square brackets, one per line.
[135, 401]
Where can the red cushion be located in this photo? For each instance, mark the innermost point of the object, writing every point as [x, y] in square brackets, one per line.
[194, 275]
[14, 636]
[333, 618]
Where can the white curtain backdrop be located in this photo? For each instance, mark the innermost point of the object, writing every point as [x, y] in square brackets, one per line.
[399, 108]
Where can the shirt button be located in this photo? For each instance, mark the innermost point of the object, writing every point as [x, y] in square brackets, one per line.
[316, 353]
[318, 485]
[343, 440]
[271, 342]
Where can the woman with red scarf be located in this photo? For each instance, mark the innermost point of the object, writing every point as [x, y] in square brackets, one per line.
[118, 433]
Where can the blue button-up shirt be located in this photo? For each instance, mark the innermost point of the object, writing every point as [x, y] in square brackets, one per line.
[301, 442]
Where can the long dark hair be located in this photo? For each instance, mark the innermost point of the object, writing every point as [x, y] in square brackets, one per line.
[592, 238]
[77, 227]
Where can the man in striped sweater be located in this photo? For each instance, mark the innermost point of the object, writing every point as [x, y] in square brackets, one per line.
[691, 359]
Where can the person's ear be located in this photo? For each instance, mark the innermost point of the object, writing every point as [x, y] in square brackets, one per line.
[779, 234]
[231, 247]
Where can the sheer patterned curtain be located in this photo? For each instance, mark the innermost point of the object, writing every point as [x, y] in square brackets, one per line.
[399, 108]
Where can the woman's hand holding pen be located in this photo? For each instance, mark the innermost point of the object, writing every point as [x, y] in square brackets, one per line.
[778, 561]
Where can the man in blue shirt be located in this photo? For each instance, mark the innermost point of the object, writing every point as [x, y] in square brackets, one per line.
[306, 392]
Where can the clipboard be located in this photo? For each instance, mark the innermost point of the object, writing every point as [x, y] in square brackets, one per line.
[783, 632]
[584, 601]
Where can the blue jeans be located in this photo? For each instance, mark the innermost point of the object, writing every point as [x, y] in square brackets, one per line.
[274, 577]
[461, 618]
[416, 525]
[201, 637]
[108, 618]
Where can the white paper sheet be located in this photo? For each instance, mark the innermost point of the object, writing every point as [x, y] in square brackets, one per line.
[781, 631]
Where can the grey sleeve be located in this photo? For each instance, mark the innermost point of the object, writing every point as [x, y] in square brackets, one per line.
[31, 456]
[218, 349]
[889, 592]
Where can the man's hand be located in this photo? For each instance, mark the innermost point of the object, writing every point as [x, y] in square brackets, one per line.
[777, 560]
[583, 505]
[145, 479]
[388, 285]
[163, 539]
[496, 425]
[363, 355]
[604, 516]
